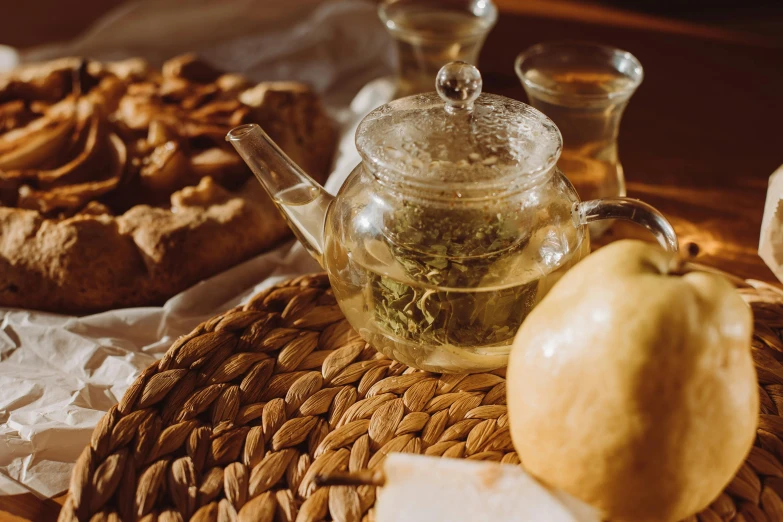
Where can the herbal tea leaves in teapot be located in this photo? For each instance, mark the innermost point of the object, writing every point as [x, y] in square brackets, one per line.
[453, 291]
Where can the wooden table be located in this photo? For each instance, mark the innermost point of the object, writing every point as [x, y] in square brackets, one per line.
[698, 140]
[700, 137]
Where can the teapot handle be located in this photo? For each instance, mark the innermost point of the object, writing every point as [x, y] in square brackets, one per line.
[628, 209]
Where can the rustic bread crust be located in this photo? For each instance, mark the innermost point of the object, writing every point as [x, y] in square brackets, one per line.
[93, 260]
[87, 264]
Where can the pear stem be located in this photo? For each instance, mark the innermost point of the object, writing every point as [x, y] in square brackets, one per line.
[682, 264]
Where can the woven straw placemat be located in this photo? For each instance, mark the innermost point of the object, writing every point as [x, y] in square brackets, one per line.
[242, 413]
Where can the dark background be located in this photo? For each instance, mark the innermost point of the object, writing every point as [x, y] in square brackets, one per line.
[33, 22]
[757, 16]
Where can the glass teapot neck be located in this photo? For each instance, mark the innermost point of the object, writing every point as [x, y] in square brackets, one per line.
[299, 197]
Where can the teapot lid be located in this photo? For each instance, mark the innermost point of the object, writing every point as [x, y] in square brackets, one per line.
[458, 138]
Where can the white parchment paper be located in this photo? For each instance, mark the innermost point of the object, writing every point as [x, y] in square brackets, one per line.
[59, 374]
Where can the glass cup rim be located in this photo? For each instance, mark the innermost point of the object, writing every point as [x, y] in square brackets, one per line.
[581, 45]
[489, 18]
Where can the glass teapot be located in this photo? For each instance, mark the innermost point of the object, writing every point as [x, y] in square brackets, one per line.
[456, 223]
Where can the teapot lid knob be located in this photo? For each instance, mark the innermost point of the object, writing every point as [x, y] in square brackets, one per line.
[458, 84]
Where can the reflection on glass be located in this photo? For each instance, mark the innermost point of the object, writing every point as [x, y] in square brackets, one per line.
[431, 33]
[584, 88]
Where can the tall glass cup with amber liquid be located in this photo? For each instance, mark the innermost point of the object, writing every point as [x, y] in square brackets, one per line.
[431, 33]
[584, 88]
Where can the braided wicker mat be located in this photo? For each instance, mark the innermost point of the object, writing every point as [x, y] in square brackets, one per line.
[241, 414]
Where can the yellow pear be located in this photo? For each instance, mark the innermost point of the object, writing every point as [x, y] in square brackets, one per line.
[634, 389]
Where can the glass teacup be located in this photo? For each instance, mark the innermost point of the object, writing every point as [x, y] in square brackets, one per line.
[584, 88]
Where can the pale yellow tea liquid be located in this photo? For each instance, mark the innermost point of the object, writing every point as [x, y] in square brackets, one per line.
[476, 326]
[589, 128]
[303, 207]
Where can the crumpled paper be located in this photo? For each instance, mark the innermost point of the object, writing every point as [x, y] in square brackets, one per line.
[771, 240]
[59, 374]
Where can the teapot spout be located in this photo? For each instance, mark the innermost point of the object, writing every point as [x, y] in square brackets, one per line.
[301, 199]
